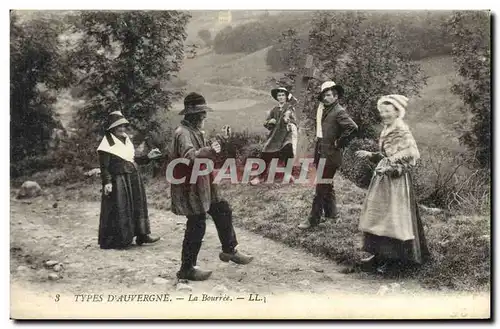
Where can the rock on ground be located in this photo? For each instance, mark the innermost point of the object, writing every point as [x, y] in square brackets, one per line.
[51, 263]
[160, 281]
[29, 189]
[183, 287]
[53, 276]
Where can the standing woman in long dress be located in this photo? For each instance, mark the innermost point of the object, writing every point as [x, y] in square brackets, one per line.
[392, 229]
[124, 212]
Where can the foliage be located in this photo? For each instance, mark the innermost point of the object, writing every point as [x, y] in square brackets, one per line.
[123, 58]
[421, 34]
[366, 62]
[451, 181]
[38, 68]
[418, 35]
[240, 145]
[206, 37]
[472, 55]
[285, 54]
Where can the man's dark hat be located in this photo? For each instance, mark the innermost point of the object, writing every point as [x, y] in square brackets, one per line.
[194, 103]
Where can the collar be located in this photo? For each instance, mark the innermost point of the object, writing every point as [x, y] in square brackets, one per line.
[199, 134]
[125, 150]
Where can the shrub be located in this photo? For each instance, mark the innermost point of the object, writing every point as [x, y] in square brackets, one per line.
[472, 56]
[38, 68]
[447, 180]
[30, 165]
[240, 145]
[285, 54]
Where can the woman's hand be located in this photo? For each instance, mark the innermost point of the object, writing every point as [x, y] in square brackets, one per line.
[154, 153]
[363, 154]
[108, 188]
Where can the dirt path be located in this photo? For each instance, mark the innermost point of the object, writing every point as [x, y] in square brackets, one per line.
[68, 234]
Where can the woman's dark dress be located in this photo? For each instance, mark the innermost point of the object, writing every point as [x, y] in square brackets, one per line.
[124, 212]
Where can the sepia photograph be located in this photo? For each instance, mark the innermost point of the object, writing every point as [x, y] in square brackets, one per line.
[250, 164]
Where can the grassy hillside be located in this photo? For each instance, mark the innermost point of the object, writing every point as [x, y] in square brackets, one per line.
[433, 116]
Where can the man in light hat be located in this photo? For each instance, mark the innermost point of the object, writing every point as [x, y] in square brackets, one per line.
[196, 200]
[334, 130]
[283, 133]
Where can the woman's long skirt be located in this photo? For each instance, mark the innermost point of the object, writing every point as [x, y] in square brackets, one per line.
[124, 213]
[390, 216]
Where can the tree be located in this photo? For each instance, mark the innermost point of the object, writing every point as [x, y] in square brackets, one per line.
[472, 56]
[124, 57]
[285, 54]
[366, 61]
[206, 37]
[38, 69]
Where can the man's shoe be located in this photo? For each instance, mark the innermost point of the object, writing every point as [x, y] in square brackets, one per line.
[194, 274]
[236, 257]
[306, 224]
[140, 240]
[335, 219]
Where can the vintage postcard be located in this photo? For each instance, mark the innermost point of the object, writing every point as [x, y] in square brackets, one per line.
[250, 164]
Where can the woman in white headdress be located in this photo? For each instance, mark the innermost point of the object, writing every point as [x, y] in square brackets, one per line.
[390, 221]
[124, 213]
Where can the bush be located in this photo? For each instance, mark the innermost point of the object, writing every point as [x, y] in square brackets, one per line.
[472, 56]
[357, 170]
[239, 146]
[80, 150]
[285, 54]
[441, 178]
[30, 165]
[445, 180]
[251, 151]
